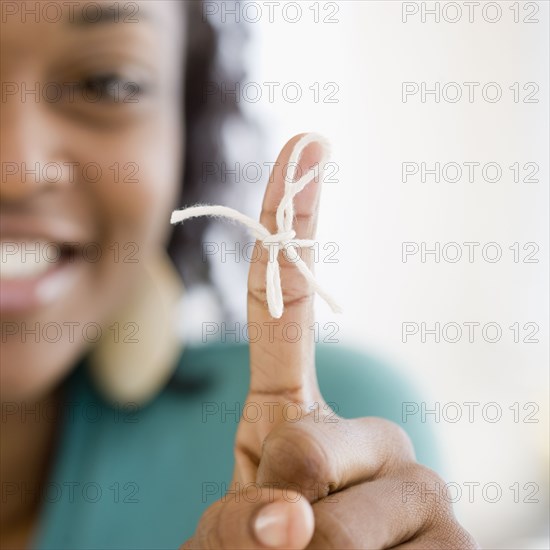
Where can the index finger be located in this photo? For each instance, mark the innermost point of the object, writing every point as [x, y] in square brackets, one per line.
[282, 352]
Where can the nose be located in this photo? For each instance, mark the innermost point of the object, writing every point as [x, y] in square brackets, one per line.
[31, 137]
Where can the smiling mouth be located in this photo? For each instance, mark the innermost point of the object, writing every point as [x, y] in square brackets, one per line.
[35, 272]
[28, 259]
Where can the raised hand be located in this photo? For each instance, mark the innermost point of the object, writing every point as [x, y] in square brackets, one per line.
[319, 481]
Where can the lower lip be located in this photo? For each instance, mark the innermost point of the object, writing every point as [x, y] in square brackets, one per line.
[24, 295]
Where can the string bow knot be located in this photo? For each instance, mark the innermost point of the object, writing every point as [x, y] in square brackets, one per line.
[280, 239]
[284, 240]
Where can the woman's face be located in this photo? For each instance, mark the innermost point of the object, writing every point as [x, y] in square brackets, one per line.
[91, 153]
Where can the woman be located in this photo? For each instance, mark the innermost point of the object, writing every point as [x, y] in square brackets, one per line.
[111, 436]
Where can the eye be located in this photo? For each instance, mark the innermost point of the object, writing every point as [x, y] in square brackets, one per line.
[109, 88]
[104, 93]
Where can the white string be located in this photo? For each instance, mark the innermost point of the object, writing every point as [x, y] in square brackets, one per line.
[285, 236]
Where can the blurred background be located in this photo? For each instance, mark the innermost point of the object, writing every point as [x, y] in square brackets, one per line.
[438, 117]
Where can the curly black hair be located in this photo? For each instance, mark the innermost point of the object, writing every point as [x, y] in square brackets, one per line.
[204, 121]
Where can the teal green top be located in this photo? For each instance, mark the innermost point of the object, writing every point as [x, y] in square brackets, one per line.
[141, 478]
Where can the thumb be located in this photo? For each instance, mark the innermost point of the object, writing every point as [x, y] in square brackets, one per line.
[257, 517]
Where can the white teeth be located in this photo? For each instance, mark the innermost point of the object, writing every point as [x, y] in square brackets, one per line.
[26, 259]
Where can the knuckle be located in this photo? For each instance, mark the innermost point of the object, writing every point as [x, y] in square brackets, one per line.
[463, 538]
[401, 437]
[429, 483]
[400, 440]
[452, 535]
[395, 442]
[423, 491]
[397, 432]
[426, 475]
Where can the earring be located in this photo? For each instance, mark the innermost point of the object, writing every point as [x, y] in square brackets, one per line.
[133, 362]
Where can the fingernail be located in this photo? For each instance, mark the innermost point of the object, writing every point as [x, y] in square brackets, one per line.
[314, 155]
[271, 525]
[323, 148]
[324, 143]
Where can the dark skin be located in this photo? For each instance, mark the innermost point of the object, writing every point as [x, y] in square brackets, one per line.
[350, 473]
